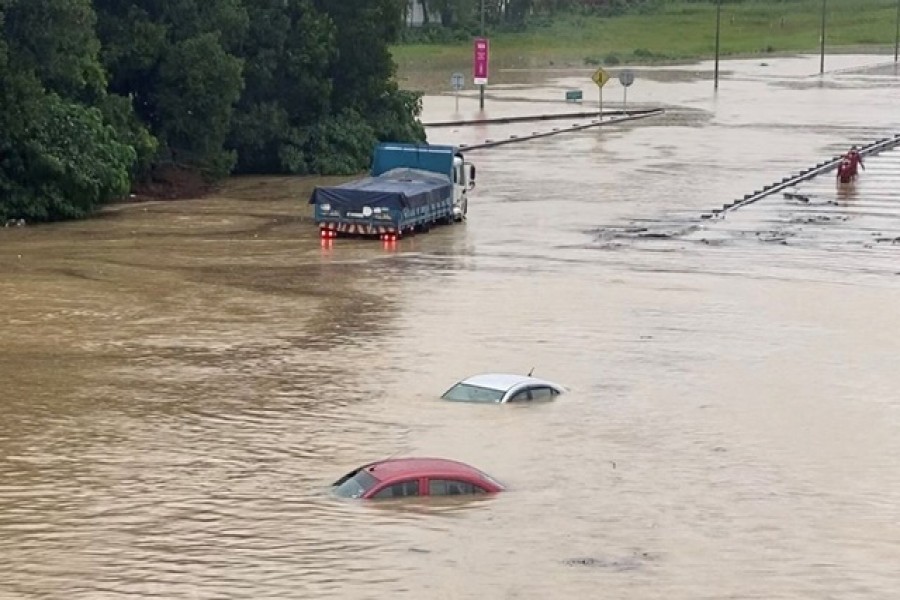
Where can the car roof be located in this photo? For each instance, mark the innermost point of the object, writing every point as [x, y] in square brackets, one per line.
[505, 381]
[403, 467]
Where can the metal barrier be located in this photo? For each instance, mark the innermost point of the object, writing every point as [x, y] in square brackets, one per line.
[557, 130]
[804, 175]
[542, 117]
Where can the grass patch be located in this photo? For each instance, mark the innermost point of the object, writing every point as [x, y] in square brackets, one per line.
[675, 32]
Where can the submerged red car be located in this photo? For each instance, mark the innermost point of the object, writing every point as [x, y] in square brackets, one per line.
[410, 477]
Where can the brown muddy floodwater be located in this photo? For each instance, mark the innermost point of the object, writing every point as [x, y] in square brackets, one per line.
[183, 380]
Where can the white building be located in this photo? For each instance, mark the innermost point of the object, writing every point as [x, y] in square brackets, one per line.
[415, 15]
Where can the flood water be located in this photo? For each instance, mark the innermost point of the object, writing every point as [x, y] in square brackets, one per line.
[182, 381]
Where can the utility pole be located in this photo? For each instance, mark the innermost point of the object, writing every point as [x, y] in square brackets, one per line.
[718, 26]
[822, 49]
[481, 87]
[897, 35]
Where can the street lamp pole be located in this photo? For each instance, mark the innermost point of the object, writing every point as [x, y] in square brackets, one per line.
[718, 26]
[481, 87]
[897, 35]
[822, 41]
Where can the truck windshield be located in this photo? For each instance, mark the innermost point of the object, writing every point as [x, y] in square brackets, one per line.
[354, 484]
[464, 392]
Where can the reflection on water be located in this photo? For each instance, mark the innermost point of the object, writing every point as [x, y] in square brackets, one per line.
[845, 193]
[183, 381]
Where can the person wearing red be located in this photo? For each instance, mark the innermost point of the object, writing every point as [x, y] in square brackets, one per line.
[856, 161]
[845, 171]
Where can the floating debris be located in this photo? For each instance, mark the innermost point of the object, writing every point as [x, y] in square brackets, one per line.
[796, 196]
[630, 562]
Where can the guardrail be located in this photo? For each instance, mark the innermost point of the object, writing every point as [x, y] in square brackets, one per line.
[541, 117]
[558, 130]
[804, 175]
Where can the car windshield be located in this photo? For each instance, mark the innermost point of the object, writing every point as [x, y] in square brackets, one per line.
[465, 392]
[355, 484]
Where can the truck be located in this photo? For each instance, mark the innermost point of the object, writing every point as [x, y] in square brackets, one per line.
[410, 188]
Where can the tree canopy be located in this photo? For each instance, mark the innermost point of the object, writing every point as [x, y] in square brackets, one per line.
[96, 95]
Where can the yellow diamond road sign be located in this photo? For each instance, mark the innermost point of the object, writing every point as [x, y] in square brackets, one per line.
[600, 77]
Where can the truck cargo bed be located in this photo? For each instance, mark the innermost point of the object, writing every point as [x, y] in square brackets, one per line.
[397, 189]
[397, 202]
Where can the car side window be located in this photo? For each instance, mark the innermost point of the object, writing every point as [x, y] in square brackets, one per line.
[542, 393]
[404, 489]
[522, 396]
[449, 487]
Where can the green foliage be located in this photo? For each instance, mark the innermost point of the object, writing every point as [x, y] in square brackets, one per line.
[464, 16]
[175, 59]
[396, 116]
[97, 94]
[119, 112]
[341, 145]
[289, 54]
[55, 39]
[364, 68]
[644, 55]
[259, 133]
[561, 33]
[437, 34]
[63, 164]
[198, 85]
[58, 158]
[319, 87]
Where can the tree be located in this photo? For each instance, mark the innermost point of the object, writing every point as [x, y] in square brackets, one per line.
[58, 158]
[289, 51]
[175, 59]
[95, 93]
[364, 84]
[320, 86]
[199, 82]
[67, 162]
[364, 67]
[55, 40]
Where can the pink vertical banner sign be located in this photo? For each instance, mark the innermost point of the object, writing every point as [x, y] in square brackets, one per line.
[480, 64]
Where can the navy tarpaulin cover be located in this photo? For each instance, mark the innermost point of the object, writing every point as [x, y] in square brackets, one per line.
[396, 189]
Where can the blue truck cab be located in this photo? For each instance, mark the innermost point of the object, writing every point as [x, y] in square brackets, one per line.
[410, 188]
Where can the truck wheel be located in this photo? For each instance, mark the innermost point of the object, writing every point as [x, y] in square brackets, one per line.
[462, 216]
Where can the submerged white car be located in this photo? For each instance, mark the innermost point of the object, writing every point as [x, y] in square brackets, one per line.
[503, 387]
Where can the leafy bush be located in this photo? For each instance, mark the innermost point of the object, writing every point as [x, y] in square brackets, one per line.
[340, 145]
[437, 34]
[615, 8]
[66, 164]
[644, 54]
[396, 120]
[199, 83]
[119, 113]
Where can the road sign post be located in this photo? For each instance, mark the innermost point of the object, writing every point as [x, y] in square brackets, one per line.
[457, 82]
[600, 77]
[626, 78]
[480, 62]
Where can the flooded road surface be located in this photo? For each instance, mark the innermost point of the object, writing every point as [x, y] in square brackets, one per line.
[183, 380]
